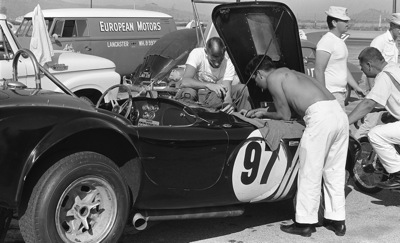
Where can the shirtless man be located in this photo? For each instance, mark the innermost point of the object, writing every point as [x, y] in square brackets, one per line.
[323, 146]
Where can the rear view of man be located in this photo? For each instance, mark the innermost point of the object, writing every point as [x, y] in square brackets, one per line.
[323, 146]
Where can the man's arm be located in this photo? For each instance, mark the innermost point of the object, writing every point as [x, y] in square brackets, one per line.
[321, 61]
[188, 81]
[363, 108]
[280, 102]
[353, 83]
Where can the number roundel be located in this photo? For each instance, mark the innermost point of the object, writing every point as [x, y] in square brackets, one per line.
[257, 171]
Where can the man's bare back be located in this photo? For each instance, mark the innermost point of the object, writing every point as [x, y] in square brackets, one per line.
[299, 90]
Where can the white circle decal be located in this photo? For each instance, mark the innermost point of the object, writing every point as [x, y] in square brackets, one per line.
[257, 171]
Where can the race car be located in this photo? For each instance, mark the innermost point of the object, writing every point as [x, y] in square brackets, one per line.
[72, 172]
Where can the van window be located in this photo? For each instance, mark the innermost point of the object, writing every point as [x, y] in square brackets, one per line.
[26, 27]
[5, 48]
[71, 28]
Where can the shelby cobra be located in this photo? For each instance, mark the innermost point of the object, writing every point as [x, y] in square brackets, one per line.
[71, 172]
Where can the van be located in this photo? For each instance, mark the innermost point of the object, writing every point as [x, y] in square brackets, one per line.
[121, 35]
[87, 76]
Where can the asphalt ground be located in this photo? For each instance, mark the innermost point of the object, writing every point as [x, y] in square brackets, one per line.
[372, 218]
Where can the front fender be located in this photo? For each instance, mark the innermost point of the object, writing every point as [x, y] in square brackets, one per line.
[99, 80]
[63, 132]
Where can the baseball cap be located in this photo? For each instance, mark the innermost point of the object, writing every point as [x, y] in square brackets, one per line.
[338, 12]
[395, 19]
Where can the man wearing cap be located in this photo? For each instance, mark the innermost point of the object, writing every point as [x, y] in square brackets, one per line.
[386, 43]
[331, 57]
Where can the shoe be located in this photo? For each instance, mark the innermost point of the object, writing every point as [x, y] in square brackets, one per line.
[392, 183]
[337, 226]
[299, 229]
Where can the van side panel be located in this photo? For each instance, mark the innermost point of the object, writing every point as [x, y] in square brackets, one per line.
[123, 40]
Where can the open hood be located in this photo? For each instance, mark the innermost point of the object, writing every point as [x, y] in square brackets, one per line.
[255, 28]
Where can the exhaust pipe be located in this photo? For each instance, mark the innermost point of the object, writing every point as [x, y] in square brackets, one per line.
[140, 219]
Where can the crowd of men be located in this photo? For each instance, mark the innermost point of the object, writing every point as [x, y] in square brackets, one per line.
[320, 101]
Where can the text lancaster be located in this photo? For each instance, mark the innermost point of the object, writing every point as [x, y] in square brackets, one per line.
[129, 26]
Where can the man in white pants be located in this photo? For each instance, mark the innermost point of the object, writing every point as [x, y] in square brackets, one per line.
[386, 43]
[385, 92]
[323, 146]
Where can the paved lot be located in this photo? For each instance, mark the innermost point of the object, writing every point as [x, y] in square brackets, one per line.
[370, 218]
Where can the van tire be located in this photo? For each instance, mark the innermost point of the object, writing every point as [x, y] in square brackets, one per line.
[86, 99]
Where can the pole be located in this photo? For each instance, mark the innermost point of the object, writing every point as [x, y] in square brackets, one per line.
[92, 5]
[394, 6]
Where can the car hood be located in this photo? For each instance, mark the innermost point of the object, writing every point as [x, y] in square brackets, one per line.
[32, 97]
[66, 61]
[255, 28]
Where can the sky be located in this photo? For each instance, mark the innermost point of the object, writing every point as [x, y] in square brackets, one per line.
[301, 8]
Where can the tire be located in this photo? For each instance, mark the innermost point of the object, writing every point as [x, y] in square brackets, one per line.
[81, 198]
[87, 99]
[366, 179]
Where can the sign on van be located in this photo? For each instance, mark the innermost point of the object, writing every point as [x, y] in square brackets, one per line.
[122, 35]
[129, 27]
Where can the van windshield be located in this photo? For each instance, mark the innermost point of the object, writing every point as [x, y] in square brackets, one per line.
[26, 27]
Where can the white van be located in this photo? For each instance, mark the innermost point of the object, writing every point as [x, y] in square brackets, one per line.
[121, 35]
[86, 75]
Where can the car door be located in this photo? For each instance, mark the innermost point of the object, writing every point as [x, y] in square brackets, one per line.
[177, 148]
[183, 157]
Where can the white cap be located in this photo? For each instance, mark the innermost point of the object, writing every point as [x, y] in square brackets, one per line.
[338, 12]
[395, 19]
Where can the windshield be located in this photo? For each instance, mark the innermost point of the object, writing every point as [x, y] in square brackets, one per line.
[26, 27]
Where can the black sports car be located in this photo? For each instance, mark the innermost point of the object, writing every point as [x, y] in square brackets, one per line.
[71, 172]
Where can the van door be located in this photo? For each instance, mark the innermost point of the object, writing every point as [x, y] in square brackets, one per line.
[7, 51]
[71, 35]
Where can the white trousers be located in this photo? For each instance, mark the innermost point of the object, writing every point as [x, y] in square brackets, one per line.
[323, 153]
[370, 120]
[340, 97]
[382, 138]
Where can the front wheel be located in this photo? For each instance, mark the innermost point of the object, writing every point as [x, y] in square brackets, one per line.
[81, 198]
[368, 171]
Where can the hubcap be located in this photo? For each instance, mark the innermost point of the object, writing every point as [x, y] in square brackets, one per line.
[86, 210]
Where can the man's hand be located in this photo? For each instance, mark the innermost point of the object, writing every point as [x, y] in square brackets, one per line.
[228, 108]
[219, 89]
[256, 113]
[360, 92]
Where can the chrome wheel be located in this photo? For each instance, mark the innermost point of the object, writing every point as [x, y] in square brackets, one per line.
[367, 170]
[86, 210]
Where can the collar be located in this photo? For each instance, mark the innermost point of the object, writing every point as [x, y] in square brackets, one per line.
[389, 36]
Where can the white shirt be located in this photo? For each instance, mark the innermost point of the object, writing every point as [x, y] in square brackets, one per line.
[385, 92]
[204, 72]
[387, 46]
[336, 69]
